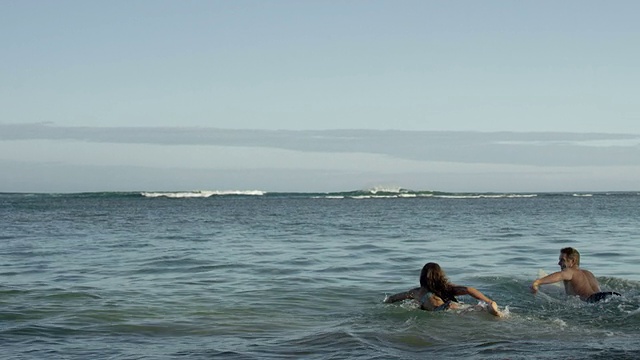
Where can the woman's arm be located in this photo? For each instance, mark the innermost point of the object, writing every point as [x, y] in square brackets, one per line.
[467, 290]
[401, 296]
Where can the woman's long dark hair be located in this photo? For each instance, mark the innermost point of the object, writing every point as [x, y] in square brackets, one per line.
[434, 279]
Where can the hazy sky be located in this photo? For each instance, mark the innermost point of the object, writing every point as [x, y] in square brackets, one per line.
[319, 95]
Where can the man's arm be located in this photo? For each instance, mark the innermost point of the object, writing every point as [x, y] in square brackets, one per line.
[551, 278]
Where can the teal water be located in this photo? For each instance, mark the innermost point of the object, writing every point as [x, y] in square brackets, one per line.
[257, 275]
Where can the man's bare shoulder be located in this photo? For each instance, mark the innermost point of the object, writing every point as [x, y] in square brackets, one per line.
[587, 273]
[569, 273]
[580, 275]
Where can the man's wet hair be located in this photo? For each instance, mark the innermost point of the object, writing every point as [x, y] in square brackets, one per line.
[572, 254]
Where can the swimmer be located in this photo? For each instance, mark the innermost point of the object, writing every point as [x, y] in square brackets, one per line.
[576, 281]
[437, 293]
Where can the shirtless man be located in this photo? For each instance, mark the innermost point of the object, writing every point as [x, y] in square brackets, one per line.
[576, 281]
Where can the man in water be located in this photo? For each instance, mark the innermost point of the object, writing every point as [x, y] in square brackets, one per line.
[577, 281]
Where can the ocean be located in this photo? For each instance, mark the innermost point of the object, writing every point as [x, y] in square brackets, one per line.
[260, 275]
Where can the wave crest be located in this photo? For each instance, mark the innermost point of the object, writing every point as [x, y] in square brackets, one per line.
[202, 194]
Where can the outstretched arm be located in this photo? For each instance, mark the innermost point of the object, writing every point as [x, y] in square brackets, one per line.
[401, 296]
[550, 279]
[467, 290]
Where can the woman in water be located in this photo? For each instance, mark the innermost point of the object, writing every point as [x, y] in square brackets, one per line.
[437, 293]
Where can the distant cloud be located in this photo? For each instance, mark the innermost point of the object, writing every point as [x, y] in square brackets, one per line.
[539, 149]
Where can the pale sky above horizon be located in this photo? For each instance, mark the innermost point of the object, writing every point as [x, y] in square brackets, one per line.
[551, 84]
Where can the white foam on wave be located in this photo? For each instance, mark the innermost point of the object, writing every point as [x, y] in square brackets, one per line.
[486, 196]
[358, 197]
[385, 189]
[559, 322]
[201, 194]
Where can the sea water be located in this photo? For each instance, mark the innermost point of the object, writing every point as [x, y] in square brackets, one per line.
[258, 275]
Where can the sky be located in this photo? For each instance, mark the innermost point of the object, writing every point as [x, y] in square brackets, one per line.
[478, 96]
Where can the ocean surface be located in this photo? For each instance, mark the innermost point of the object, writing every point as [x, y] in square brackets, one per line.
[258, 275]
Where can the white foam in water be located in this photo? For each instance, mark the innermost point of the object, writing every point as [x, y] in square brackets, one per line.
[383, 189]
[202, 194]
[633, 313]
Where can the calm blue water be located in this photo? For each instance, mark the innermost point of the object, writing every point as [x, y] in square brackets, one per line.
[258, 275]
